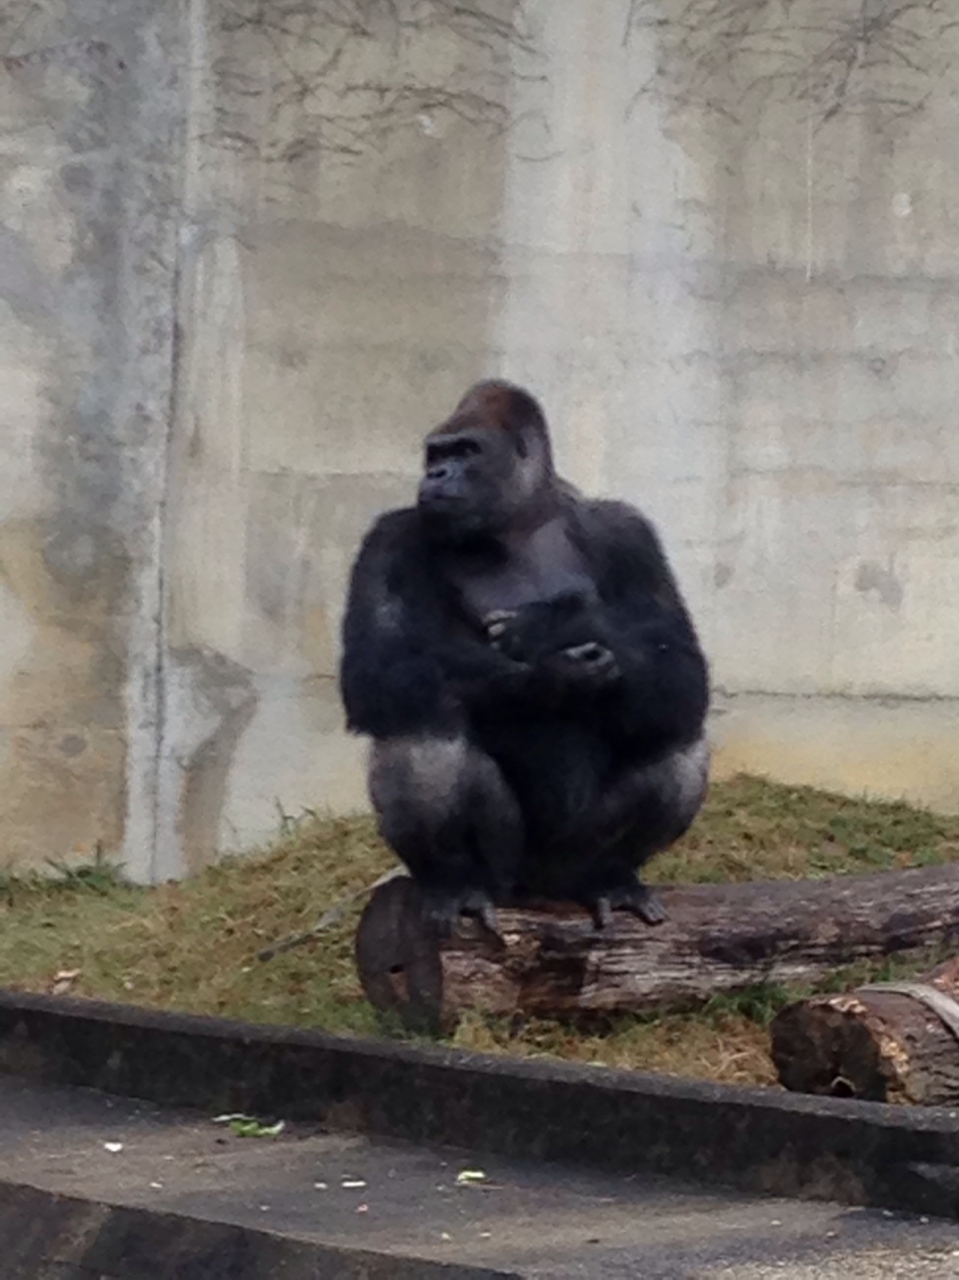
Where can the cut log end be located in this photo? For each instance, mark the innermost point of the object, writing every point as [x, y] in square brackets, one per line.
[878, 1043]
[408, 972]
[398, 959]
[829, 1046]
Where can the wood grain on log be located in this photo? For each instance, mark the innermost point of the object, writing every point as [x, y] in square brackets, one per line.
[885, 1043]
[719, 938]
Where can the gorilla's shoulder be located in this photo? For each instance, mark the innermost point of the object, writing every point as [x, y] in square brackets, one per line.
[613, 522]
[398, 529]
[399, 520]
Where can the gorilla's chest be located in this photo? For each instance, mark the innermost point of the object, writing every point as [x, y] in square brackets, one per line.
[539, 567]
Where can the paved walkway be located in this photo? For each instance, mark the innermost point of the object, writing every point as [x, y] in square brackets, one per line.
[520, 1219]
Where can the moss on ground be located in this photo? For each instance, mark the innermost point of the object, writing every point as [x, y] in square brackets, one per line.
[193, 946]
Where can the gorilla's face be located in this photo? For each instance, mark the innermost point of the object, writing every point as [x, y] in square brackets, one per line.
[473, 482]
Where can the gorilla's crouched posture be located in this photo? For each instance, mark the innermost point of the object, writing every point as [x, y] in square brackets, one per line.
[525, 665]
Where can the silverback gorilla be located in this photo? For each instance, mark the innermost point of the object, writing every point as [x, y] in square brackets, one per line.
[526, 667]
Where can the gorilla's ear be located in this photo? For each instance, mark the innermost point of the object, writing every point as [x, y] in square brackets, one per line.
[522, 444]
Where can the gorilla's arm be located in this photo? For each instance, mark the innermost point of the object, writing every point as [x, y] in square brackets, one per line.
[661, 698]
[390, 678]
[410, 664]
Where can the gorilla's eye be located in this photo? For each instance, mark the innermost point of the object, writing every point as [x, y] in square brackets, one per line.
[465, 449]
[443, 450]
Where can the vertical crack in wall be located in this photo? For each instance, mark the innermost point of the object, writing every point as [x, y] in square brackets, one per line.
[165, 802]
[154, 216]
[160, 628]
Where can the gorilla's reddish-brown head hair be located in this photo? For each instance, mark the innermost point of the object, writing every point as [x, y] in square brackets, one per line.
[499, 406]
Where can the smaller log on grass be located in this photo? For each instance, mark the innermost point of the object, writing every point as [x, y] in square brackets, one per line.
[551, 960]
[887, 1042]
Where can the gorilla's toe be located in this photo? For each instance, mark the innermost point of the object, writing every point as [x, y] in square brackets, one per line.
[632, 896]
[442, 909]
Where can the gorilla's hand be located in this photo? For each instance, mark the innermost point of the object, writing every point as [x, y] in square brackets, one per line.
[500, 629]
[525, 635]
[590, 663]
[560, 637]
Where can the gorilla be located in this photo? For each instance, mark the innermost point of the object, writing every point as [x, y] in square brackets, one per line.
[530, 677]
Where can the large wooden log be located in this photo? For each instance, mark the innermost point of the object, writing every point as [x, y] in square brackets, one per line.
[718, 938]
[889, 1042]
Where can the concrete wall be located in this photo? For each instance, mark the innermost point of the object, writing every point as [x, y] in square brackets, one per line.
[90, 121]
[249, 252]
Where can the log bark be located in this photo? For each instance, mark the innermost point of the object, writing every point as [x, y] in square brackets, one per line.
[888, 1042]
[718, 938]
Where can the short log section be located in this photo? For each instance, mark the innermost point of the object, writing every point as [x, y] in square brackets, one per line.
[890, 1042]
[551, 960]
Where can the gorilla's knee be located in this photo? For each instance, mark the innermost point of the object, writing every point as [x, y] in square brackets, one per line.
[445, 809]
[689, 783]
[650, 806]
[423, 776]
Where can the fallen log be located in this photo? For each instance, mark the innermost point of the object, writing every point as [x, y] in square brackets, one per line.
[886, 1042]
[551, 960]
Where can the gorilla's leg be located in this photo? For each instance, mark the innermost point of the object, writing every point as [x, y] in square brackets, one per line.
[446, 811]
[644, 811]
[641, 811]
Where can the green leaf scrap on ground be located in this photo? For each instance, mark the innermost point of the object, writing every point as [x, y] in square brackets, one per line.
[249, 1127]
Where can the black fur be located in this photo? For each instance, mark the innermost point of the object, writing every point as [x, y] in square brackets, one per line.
[547, 748]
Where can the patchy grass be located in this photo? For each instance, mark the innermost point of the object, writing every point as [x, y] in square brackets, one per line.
[193, 946]
[718, 1043]
[751, 829]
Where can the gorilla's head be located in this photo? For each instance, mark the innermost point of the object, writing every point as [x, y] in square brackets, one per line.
[489, 466]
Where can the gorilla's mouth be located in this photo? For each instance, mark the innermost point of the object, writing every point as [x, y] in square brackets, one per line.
[433, 500]
[451, 511]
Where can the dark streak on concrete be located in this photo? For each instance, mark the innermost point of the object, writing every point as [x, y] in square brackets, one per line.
[227, 694]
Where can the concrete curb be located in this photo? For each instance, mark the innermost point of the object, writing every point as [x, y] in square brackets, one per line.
[754, 1139]
[43, 1234]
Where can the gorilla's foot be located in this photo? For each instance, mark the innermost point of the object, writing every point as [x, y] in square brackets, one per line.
[442, 908]
[625, 895]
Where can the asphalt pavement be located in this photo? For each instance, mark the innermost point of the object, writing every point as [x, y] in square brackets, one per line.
[418, 1206]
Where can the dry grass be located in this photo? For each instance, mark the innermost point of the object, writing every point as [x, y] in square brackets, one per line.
[751, 829]
[192, 946]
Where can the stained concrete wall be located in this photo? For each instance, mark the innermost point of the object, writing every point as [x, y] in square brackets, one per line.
[90, 113]
[249, 252]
